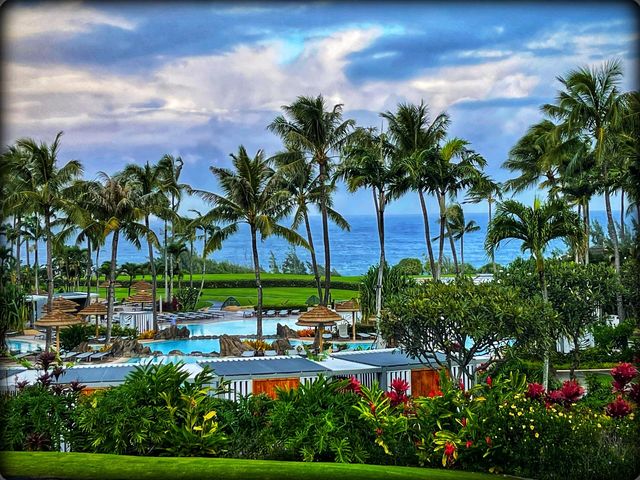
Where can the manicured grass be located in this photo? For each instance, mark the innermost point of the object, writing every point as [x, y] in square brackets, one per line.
[111, 467]
[244, 276]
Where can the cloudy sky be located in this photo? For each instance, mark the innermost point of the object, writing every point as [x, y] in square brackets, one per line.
[130, 82]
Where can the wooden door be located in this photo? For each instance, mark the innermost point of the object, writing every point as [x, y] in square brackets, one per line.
[269, 385]
[424, 381]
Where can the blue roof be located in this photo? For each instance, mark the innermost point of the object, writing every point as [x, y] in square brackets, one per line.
[98, 374]
[383, 358]
[262, 366]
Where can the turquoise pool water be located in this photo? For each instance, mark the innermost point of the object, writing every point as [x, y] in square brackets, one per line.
[243, 326]
[23, 347]
[166, 359]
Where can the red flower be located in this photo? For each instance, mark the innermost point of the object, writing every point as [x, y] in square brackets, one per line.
[353, 386]
[535, 391]
[435, 393]
[463, 421]
[399, 385]
[489, 381]
[469, 443]
[623, 374]
[572, 391]
[556, 396]
[398, 393]
[488, 440]
[449, 449]
[618, 408]
[461, 385]
[372, 407]
[379, 432]
[634, 392]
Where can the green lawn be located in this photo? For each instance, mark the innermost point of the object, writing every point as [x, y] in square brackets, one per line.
[244, 276]
[92, 466]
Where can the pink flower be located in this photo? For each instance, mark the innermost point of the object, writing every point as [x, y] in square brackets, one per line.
[353, 386]
[435, 393]
[618, 408]
[535, 391]
[634, 392]
[469, 443]
[461, 385]
[489, 381]
[488, 440]
[399, 385]
[623, 373]
[449, 449]
[572, 391]
[556, 396]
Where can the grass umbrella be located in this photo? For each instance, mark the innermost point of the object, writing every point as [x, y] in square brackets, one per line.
[318, 317]
[350, 306]
[57, 319]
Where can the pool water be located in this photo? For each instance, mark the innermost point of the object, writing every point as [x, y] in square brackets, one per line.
[23, 347]
[246, 326]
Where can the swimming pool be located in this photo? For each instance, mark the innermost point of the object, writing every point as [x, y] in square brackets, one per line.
[22, 346]
[166, 359]
[244, 326]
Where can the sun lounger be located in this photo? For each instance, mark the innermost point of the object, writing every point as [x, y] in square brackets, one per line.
[327, 336]
[22, 355]
[248, 353]
[247, 314]
[69, 356]
[283, 313]
[270, 313]
[342, 330]
[295, 312]
[100, 356]
[364, 336]
[84, 356]
[270, 353]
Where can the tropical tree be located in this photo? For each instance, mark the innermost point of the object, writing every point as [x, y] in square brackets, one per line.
[45, 192]
[459, 227]
[536, 227]
[251, 194]
[150, 182]
[369, 164]
[415, 140]
[299, 178]
[308, 126]
[117, 204]
[591, 103]
[486, 189]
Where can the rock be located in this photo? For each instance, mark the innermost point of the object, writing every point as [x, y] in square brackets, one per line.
[232, 346]
[281, 345]
[172, 333]
[82, 347]
[284, 331]
[175, 352]
[196, 354]
[155, 353]
[124, 347]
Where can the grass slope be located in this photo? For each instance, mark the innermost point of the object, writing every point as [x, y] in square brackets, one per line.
[112, 467]
[243, 276]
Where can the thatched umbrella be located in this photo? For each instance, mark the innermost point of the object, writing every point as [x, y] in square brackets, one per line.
[141, 297]
[62, 304]
[313, 300]
[318, 317]
[350, 306]
[58, 318]
[105, 284]
[141, 285]
[96, 309]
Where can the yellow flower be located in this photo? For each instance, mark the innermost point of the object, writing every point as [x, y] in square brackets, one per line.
[537, 434]
[531, 427]
[519, 414]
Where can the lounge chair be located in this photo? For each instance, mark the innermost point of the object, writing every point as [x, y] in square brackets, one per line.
[295, 312]
[248, 353]
[364, 336]
[283, 313]
[69, 356]
[22, 355]
[343, 332]
[270, 313]
[270, 353]
[100, 355]
[327, 336]
[84, 356]
[247, 314]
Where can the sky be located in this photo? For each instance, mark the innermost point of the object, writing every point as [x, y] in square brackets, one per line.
[129, 82]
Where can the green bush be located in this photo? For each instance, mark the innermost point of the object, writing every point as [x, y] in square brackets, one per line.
[410, 266]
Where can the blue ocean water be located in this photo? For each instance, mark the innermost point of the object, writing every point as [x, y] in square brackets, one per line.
[352, 253]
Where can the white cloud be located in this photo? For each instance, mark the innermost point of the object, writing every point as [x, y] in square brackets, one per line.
[63, 18]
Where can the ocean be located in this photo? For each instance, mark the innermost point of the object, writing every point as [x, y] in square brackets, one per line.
[352, 253]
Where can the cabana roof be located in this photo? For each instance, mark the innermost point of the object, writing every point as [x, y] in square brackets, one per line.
[387, 357]
[338, 365]
[263, 366]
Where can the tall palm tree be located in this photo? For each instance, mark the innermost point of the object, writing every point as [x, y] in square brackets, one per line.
[449, 177]
[118, 205]
[46, 193]
[486, 189]
[307, 125]
[459, 227]
[591, 103]
[299, 178]
[149, 180]
[251, 194]
[369, 164]
[535, 227]
[170, 168]
[415, 140]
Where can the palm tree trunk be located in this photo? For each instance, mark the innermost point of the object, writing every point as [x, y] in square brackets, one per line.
[452, 244]
[191, 264]
[545, 297]
[616, 250]
[587, 230]
[154, 278]
[256, 266]
[47, 221]
[312, 251]
[18, 244]
[380, 214]
[204, 263]
[622, 214]
[493, 250]
[325, 236]
[35, 256]
[88, 301]
[576, 254]
[97, 271]
[427, 233]
[26, 240]
[462, 250]
[441, 237]
[112, 281]
[166, 265]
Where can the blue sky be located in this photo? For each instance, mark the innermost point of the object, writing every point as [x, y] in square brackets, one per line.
[130, 82]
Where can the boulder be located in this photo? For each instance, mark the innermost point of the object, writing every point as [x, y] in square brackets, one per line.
[175, 352]
[232, 346]
[284, 331]
[172, 333]
[125, 347]
[281, 345]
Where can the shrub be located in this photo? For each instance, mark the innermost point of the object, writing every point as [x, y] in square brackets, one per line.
[410, 266]
[74, 335]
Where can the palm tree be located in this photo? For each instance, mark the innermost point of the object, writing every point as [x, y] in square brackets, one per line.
[535, 227]
[251, 194]
[46, 193]
[591, 103]
[450, 177]
[415, 141]
[118, 205]
[149, 181]
[170, 168]
[486, 189]
[308, 126]
[300, 180]
[368, 164]
[175, 250]
[459, 227]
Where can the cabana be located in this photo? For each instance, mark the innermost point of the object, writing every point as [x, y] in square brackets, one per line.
[349, 306]
[95, 309]
[318, 317]
[57, 319]
[262, 374]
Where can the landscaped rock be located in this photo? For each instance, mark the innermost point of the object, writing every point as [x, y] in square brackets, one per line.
[232, 346]
[284, 331]
[172, 333]
[82, 347]
[176, 352]
[281, 345]
[124, 347]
